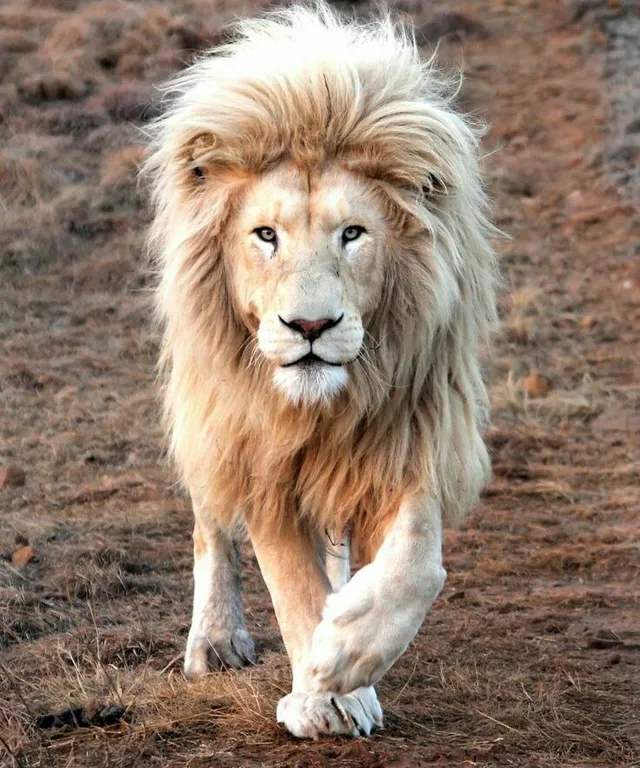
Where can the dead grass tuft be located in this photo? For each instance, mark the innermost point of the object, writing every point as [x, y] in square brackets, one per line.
[122, 165]
[13, 41]
[127, 102]
[73, 119]
[34, 238]
[23, 180]
[549, 408]
[17, 16]
[69, 34]
[52, 86]
[523, 312]
[108, 270]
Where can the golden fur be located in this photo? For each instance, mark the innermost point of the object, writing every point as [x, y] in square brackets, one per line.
[302, 86]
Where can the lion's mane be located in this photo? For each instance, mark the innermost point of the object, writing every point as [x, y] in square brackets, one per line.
[303, 85]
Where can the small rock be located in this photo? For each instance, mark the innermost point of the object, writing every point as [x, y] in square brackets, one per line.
[587, 322]
[604, 638]
[514, 182]
[595, 215]
[70, 718]
[536, 385]
[109, 715]
[23, 556]
[87, 494]
[575, 201]
[11, 476]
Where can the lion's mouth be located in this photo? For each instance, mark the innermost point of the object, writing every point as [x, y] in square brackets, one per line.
[311, 360]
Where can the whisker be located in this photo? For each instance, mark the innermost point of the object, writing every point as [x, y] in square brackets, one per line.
[376, 343]
[250, 339]
[369, 367]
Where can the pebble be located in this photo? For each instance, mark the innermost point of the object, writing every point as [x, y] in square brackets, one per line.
[536, 385]
[23, 556]
[11, 476]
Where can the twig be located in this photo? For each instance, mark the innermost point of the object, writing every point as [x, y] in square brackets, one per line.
[12, 754]
[16, 690]
[172, 662]
[409, 679]
[504, 725]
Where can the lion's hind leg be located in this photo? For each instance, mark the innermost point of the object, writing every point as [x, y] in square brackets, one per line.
[218, 637]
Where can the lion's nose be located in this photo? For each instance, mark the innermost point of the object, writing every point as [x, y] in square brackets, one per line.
[311, 329]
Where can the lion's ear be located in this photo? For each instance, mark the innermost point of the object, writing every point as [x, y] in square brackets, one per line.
[435, 187]
[198, 156]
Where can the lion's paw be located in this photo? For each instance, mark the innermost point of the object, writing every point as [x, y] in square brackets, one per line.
[348, 655]
[232, 649]
[311, 715]
[362, 633]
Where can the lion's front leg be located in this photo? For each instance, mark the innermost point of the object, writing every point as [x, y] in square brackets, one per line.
[337, 564]
[370, 622]
[293, 569]
[218, 636]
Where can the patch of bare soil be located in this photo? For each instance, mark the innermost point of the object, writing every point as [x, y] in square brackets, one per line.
[531, 656]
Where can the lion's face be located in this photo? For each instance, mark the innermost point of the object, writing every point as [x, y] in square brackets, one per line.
[307, 265]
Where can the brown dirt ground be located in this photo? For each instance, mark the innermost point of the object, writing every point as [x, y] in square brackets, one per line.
[531, 655]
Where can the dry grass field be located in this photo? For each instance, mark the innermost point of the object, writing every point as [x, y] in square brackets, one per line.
[531, 656]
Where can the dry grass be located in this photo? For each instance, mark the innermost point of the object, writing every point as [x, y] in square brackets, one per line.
[530, 657]
[523, 314]
[23, 180]
[551, 408]
[454, 692]
[121, 166]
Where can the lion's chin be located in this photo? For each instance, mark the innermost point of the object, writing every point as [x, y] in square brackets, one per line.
[310, 384]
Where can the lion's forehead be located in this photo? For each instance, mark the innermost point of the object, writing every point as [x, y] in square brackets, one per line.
[298, 202]
[331, 207]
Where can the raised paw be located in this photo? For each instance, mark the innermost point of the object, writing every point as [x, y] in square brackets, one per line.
[309, 715]
[364, 629]
[218, 650]
[345, 656]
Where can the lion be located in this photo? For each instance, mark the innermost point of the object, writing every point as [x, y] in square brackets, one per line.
[326, 282]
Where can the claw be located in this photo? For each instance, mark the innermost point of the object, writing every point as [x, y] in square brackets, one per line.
[310, 715]
[219, 650]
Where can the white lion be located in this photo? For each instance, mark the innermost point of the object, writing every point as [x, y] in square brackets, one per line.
[325, 283]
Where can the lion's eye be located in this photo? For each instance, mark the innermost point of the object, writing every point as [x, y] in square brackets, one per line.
[352, 233]
[266, 234]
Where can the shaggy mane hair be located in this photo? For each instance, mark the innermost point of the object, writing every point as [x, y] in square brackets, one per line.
[304, 85]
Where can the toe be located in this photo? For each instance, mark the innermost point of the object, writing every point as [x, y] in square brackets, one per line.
[358, 716]
[222, 656]
[220, 651]
[242, 644]
[347, 718]
[195, 662]
[312, 714]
